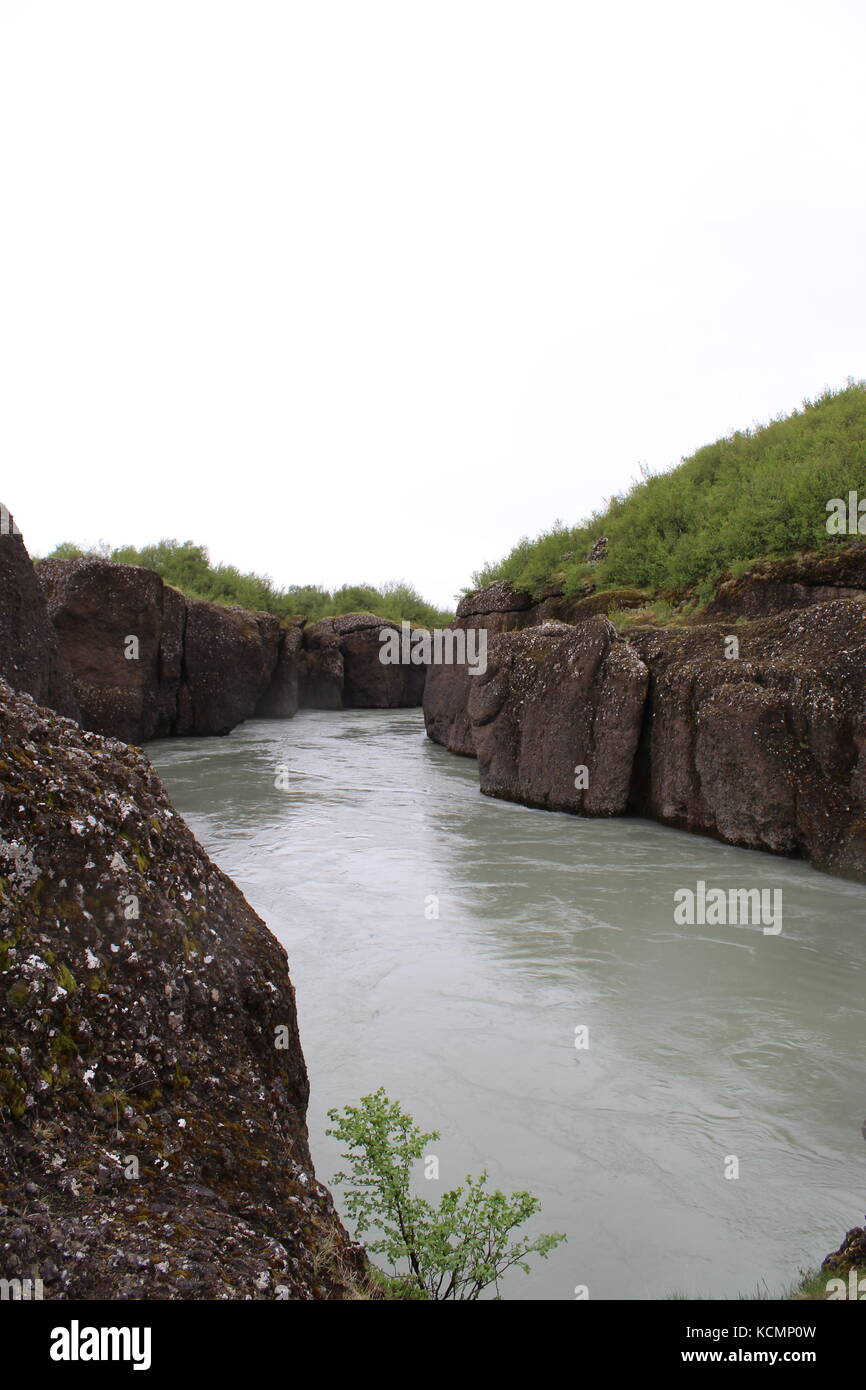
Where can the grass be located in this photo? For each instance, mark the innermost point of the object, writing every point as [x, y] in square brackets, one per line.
[811, 1286]
[755, 494]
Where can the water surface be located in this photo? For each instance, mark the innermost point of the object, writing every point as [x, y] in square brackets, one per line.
[705, 1042]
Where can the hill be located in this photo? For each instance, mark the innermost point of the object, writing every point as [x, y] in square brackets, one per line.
[755, 494]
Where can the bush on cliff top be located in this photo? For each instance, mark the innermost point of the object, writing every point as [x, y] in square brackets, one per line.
[758, 492]
[188, 567]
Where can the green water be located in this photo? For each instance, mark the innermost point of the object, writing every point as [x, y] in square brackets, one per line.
[704, 1042]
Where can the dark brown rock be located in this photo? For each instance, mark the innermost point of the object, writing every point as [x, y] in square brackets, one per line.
[152, 1086]
[578, 607]
[767, 751]
[342, 666]
[774, 586]
[321, 667]
[850, 1255]
[148, 662]
[281, 699]
[230, 656]
[446, 708]
[555, 699]
[500, 597]
[500, 608]
[99, 610]
[30, 656]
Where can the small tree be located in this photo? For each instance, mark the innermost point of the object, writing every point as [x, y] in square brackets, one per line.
[453, 1251]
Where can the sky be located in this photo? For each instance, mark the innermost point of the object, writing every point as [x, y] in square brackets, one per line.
[361, 290]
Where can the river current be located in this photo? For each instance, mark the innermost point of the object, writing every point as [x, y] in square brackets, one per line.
[448, 946]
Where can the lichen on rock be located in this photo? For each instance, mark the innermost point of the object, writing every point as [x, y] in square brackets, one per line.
[152, 1086]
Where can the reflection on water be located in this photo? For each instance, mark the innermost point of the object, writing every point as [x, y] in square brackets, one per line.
[704, 1041]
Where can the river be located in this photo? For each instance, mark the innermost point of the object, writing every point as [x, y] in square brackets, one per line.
[705, 1043]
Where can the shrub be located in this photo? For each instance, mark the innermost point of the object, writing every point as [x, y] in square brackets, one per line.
[452, 1251]
[758, 492]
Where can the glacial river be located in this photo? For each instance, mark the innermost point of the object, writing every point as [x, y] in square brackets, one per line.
[706, 1043]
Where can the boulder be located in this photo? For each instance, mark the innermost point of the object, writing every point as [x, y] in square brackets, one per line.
[598, 551]
[555, 700]
[766, 749]
[153, 1090]
[30, 655]
[498, 608]
[500, 597]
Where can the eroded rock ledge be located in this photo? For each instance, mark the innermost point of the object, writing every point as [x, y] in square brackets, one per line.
[152, 1086]
[761, 743]
[203, 668]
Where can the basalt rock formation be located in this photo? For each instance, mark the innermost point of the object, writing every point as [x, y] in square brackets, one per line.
[775, 586]
[760, 742]
[502, 608]
[30, 657]
[148, 662]
[152, 1086]
[341, 667]
[503, 612]
[281, 699]
[555, 718]
[765, 748]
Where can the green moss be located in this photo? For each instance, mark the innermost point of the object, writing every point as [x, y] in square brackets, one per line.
[65, 978]
[12, 1094]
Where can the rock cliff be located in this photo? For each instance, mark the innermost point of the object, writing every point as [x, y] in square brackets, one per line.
[765, 749]
[152, 1085]
[555, 718]
[30, 655]
[148, 662]
[341, 667]
[752, 731]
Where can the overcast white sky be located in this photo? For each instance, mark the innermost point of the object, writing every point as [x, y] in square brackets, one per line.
[367, 289]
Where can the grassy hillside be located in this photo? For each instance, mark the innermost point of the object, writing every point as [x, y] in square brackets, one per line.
[757, 493]
[188, 567]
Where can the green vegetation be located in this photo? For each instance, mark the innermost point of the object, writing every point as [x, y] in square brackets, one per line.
[452, 1251]
[757, 493]
[188, 567]
[813, 1285]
